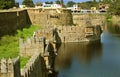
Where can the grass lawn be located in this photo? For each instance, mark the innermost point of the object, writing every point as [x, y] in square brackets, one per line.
[9, 45]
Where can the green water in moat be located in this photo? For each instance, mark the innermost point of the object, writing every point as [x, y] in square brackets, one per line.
[100, 59]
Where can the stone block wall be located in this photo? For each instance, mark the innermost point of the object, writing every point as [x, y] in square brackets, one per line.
[31, 46]
[78, 33]
[35, 67]
[10, 21]
[70, 33]
[88, 19]
[10, 67]
[50, 16]
[61, 34]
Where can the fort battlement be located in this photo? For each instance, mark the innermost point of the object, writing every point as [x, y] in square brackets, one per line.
[61, 34]
[35, 67]
[57, 27]
[10, 67]
[31, 46]
[88, 19]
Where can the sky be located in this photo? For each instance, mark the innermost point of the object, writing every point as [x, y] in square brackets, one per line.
[65, 1]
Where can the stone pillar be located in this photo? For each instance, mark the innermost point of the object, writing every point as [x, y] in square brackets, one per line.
[21, 46]
[10, 68]
[55, 49]
[3, 72]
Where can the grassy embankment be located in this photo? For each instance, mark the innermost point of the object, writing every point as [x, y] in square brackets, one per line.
[9, 45]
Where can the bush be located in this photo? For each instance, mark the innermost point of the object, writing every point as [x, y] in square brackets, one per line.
[9, 45]
[23, 60]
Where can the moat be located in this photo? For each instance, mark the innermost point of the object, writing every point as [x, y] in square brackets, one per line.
[99, 59]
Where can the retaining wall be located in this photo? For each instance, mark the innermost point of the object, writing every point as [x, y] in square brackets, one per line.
[10, 21]
[10, 67]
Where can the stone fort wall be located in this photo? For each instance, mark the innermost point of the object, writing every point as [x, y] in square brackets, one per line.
[54, 34]
[35, 67]
[10, 21]
[50, 16]
[89, 19]
[78, 33]
[10, 67]
[61, 34]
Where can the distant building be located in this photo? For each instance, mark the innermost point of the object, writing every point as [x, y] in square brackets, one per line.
[75, 8]
[56, 6]
[103, 7]
[22, 6]
[51, 5]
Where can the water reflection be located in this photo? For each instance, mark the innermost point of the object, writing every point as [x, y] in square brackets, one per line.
[100, 59]
[113, 29]
[84, 52]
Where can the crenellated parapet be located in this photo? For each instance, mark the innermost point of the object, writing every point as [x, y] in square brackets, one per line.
[35, 67]
[8, 67]
[89, 19]
[31, 46]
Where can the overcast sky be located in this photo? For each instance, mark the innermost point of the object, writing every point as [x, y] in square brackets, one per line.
[65, 1]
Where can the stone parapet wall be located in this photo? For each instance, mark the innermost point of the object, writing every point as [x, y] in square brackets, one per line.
[31, 46]
[10, 67]
[70, 33]
[78, 33]
[35, 67]
[61, 34]
[89, 19]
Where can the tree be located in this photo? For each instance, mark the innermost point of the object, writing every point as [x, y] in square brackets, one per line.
[28, 3]
[107, 1]
[57, 2]
[38, 4]
[70, 3]
[62, 3]
[114, 7]
[94, 0]
[49, 2]
[6, 4]
[88, 4]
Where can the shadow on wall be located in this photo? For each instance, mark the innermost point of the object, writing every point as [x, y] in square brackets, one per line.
[56, 39]
[12, 20]
[56, 36]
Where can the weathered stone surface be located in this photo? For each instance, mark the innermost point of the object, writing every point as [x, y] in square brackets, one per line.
[10, 67]
[10, 21]
[50, 16]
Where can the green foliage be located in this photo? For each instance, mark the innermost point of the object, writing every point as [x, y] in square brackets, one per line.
[49, 2]
[23, 60]
[70, 3]
[28, 3]
[88, 4]
[9, 45]
[6, 4]
[27, 32]
[109, 17]
[106, 1]
[57, 2]
[114, 8]
[83, 5]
